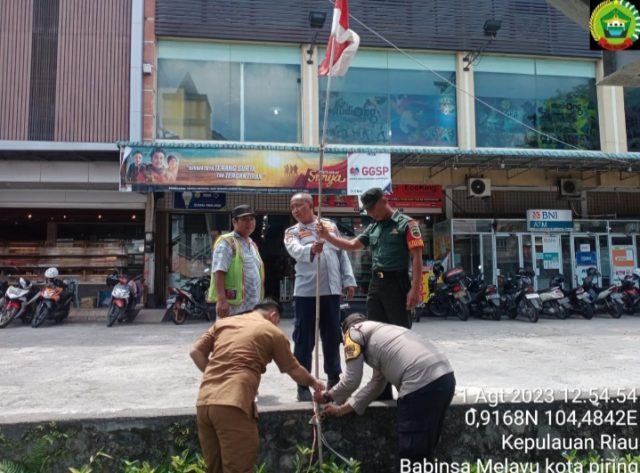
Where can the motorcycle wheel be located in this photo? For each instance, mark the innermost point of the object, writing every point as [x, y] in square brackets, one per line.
[112, 315]
[437, 309]
[527, 310]
[462, 310]
[178, 315]
[615, 310]
[495, 313]
[586, 310]
[7, 315]
[561, 312]
[40, 317]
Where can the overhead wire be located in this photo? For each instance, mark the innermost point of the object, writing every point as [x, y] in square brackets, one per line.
[469, 94]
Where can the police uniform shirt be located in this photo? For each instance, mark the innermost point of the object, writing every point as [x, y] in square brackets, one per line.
[222, 256]
[336, 272]
[242, 348]
[391, 241]
[396, 355]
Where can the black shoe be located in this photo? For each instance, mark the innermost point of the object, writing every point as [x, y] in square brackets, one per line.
[332, 382]
[304, 395]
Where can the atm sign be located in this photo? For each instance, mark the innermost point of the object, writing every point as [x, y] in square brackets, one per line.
[549, 220]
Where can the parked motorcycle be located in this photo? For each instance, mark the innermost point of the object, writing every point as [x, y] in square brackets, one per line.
[554, 301]
[520, 298]
[125, 296]
[52, 305]
[4, 285]
[189, 301]
[604, 300]
[449, 297]
[581, 302]
[485, 300]
[630, 292]
[20, 302]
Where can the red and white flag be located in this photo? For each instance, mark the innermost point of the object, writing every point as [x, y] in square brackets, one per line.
[346, 43]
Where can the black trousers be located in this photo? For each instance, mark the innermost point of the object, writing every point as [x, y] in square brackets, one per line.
[304, 332]
[387, 302]
[420, 418]
[387, 298]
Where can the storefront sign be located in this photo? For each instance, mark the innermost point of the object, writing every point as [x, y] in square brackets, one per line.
[199, 200]
[149, 169]
[549, 220]
[586, 258]
[413, 198]
[551, 252]
[623, 261]
[367, 170]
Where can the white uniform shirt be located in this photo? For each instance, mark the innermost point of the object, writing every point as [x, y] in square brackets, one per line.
[335, 268]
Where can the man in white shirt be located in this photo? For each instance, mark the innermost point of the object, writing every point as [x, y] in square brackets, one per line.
[336, 277]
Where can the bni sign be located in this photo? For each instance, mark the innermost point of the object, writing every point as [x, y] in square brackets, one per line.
[549, 220]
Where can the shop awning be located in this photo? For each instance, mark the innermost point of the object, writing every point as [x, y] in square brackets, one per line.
[439, 157]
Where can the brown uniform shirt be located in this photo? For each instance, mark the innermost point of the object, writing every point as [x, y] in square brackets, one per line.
[242, 346]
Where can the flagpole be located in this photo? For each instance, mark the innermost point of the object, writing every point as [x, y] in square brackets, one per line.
[323, 139]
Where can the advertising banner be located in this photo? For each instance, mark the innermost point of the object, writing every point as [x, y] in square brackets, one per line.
[149, 169]
[623, 259]
[367, 170]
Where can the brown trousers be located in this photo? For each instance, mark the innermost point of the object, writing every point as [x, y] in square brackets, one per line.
[228, 438]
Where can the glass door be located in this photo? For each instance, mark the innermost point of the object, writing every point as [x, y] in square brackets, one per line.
[548, 259]
[585, 256]
[508, 255]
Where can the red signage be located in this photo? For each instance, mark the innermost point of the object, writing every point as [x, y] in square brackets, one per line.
[404, 196]
[416, 196]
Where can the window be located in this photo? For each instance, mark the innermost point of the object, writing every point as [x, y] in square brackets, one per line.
[387, 99]
[632, 114]
[209, 91]
[556, 98]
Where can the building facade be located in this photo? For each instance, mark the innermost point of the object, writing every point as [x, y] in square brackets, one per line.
[69, 90]
[484, 127]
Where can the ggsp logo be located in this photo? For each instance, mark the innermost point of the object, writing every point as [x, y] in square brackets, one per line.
[374, 170]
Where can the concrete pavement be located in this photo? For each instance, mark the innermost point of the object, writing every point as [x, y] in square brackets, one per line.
[84, 369]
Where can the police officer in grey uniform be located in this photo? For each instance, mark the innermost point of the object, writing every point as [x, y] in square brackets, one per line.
[421, 373]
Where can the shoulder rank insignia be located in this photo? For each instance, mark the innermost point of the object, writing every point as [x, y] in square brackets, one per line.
[352, 350]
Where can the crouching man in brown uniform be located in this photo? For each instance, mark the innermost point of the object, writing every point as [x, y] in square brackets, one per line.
[233, 354]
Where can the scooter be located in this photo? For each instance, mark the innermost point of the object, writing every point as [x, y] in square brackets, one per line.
[604, 300]
[190, 301]
[125, 296]
[19, 303]
[630, 292]
[520, 298]
[554, 301]
[449, 297]
[485, 300]
[51, 306]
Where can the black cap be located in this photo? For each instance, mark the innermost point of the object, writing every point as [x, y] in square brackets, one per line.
[242, 211]
[370, 197]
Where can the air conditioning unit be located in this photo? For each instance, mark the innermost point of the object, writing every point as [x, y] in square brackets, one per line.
[478, 187]
[570, 187]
